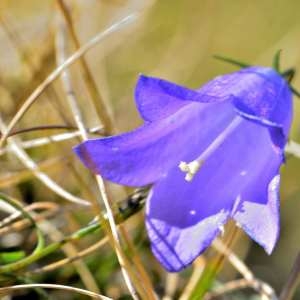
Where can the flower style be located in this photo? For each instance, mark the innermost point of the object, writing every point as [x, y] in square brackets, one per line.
[211, 154]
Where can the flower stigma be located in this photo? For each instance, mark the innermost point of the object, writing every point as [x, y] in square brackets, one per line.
[193, 167]
[190, 169]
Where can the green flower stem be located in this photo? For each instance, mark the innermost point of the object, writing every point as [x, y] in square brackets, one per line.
[40, 238]
[207, 279]
[128, 208]
[211, 270]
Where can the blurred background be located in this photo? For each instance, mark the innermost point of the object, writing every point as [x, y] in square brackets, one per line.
[171, 39]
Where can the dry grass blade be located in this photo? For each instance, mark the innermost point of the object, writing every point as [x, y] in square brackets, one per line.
[144, 278]
[11, 179]
[56, 235]
[49, 206]
[71, 98]
[71, 250]
[31, 165]
[66, 80]
[228, 288]
[39, 90]
[198, 265]
[43, 141]
[265, 290]
[171, 286]
[39, 128]
[293, 281]
[9, 289]
[266, 293]
[238, 264]
[73, 103]
[65, 261]
[100, 107]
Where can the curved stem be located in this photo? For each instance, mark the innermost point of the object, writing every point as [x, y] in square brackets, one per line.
[6, 290]
[293, 281]
[123, 214]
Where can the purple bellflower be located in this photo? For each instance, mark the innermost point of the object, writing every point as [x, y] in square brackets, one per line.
[211, 154]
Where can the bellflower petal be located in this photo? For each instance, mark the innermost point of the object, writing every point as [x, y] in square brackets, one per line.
[199, 207]
[260, 94]
[158, 98]
[175, 248]
[228, 137]
[146, 154]
[258, 212]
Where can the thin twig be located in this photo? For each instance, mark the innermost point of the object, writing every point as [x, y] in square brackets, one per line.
[65, 261]
[143, 276]
[198, 269]
[238, 264]
[96, 97]
[66, 80]
[266, 293]
[129, 207]
[14, 178]
[39, 128]
[56, 235]
[234, 285]
[228, 287]
[31, 165]
[51, 139]
[9, 289]
[39, 90]
[265, 290]
[70, 250]
[212, 268]
[171, 286]
[71, 97]
[293, 281]
[38, 205]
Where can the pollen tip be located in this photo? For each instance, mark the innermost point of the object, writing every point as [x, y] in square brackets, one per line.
[190, 168]
[189, 177]
[183, 166]
[194, 166]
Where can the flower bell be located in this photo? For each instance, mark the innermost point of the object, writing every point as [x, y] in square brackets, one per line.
[228, 137]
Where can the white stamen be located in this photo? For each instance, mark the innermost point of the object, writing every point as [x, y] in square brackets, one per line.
[183, 166]
[193, 167]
